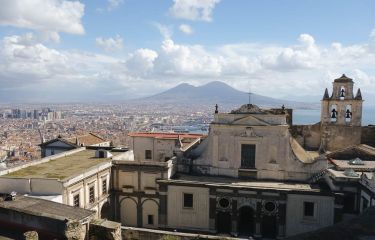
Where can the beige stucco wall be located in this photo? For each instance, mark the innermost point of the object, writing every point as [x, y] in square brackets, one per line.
[127, 178]
[82, 186]
[139, 145]
[73, 190]
[150, 207]
[180, 217]
[223, 154]
[128, 210]
[46, 186]
[295, 221]
[161, 148]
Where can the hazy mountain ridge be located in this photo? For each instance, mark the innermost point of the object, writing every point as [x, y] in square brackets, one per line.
[217, 92]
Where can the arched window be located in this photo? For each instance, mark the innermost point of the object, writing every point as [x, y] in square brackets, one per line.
[348, 113]
[342, 93]
[333, 113]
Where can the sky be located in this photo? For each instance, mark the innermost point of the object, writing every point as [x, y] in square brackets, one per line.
[110, 50]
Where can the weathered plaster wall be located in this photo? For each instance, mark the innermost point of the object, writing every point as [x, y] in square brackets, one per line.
[188, 218]
[296, 222]
[368, 135]
[308, 136]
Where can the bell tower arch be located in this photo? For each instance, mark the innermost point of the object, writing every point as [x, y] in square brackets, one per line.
[341, 115]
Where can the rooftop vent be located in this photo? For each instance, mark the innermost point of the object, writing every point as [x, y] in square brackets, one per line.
[356, 161]
[101, 153]
[350, 173]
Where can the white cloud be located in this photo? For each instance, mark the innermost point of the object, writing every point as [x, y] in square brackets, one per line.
[112, 4]
[141, 61]
[165, 31]
[187, 29]
[110, 44]
[303, 68]
[43, 15]
[303, 55]
[372, 34]
[193, 9]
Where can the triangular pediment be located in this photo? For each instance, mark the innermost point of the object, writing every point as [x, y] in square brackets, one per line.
[251, 121]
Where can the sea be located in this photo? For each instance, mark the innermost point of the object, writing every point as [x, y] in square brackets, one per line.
[311, 116]
[300, 117]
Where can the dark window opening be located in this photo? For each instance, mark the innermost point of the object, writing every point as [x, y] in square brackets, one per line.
[349, 203]
[104, 186]
[247, 156]
[188, 200]
[92, 194]
[148, 154]
[308, 209]
[76, 200]
[150, 219]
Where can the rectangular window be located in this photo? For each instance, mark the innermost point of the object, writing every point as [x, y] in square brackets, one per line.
[148, 154]
[91, 194]
[150, 219]
[247, 156]
[76, 200]
[188, 200]
[308, 209]
[104, 186]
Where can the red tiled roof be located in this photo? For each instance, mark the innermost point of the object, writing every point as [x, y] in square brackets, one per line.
[165, 135]
[88, 139]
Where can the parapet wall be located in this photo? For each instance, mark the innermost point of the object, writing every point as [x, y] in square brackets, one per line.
[130, 233]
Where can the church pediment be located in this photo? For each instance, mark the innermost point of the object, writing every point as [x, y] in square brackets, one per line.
[251, 121]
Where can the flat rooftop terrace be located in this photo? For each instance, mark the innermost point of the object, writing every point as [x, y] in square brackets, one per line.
[62, 167]
[45, 208]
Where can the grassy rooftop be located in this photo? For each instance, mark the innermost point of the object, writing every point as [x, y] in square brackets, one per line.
[61, 168]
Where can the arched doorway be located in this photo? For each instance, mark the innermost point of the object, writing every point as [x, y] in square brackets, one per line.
[128, 208]
[223, 222]
[269, 227]
[246, 221]
[105, 211]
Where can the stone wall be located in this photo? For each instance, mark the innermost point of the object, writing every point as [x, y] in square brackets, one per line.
[104, 229]
[368, 135]
[308, 136]
[129, 233]
[338, 137]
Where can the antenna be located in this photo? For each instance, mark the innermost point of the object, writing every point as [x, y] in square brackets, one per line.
[249, 93]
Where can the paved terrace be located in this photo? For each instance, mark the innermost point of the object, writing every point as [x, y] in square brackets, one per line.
[63, 167]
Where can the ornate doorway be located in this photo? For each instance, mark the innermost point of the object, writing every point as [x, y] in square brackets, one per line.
[246, 221]
[224, 222]
[269, 226]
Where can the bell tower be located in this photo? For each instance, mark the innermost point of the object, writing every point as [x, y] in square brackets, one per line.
[341, 115]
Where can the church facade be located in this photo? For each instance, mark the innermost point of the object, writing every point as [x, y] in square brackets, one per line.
[255, 174]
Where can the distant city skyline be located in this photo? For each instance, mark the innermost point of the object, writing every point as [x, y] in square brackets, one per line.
[77, 51]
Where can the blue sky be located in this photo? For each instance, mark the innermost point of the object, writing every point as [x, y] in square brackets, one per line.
[60, 50]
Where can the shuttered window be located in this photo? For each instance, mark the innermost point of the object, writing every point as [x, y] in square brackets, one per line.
[247, 156]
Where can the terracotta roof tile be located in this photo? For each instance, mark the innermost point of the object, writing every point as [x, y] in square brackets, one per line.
[165, 135]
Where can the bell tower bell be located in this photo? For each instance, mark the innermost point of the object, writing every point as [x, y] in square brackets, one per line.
[341, 115]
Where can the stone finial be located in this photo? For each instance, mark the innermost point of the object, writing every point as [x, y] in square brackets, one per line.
[326, 95]
[358, 96]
